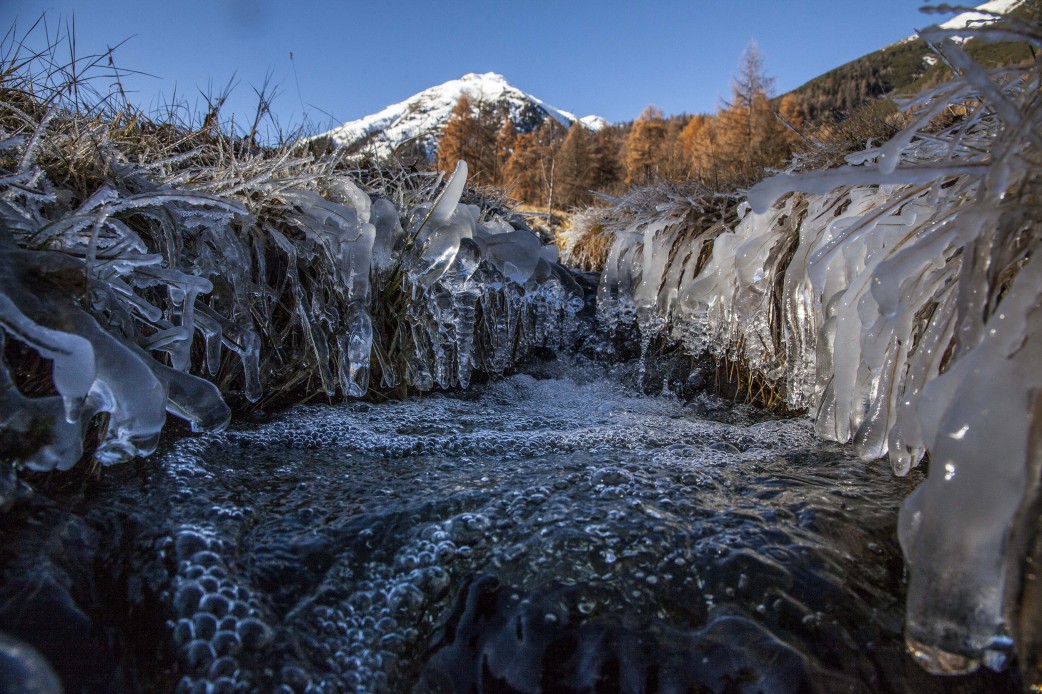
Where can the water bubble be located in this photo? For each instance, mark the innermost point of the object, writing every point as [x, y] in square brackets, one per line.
[405, 600]
[188, 543]
[610, 476]
[226, 643]
[469, 528]
[295, 677]
[224, 685]
[224, 666]
[724, 447]
[205, 625]
[239, 609]
[183, 632]
[214, 603]
[436, 581]
[198, 654]
[254, 633]
[209, 584]
[187, 597]
[445, 552]
[205, 558]
[217, 572]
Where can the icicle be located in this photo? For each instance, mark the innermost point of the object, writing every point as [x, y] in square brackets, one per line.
[355, 345]
[193, 399]
[388, 233]
[61, 438]
[73, 356]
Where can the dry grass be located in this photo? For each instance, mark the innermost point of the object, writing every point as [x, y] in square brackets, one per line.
[590, 249]
[828, 143]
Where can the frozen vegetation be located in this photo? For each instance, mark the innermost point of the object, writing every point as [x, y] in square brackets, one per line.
[220, 271]
[147, 270]
[896, 299]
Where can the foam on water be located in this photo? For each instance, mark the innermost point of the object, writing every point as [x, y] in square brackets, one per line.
[342, 548]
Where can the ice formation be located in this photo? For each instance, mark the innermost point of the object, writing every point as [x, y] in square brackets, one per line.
[138, 294]
[897, 300]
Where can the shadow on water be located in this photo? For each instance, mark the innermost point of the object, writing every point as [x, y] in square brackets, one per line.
[554, 534]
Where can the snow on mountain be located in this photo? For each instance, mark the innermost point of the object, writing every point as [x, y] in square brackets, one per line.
[420, 118]
[594, 122]
[981, 15]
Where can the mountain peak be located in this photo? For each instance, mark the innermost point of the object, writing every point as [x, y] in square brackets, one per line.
[492, 77]
[421, 118]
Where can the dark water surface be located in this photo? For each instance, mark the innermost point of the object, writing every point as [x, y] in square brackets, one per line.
[553, 533]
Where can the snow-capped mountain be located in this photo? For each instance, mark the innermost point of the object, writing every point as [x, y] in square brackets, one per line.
[981, 15]
[419, 119]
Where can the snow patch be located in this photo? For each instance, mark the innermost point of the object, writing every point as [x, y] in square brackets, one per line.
[982, 15]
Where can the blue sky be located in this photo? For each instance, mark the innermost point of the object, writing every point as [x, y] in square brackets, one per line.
[352, 58]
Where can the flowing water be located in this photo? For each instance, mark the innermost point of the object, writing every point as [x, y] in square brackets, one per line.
[551, 531]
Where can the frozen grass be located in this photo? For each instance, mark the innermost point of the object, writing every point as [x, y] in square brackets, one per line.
[172, 263]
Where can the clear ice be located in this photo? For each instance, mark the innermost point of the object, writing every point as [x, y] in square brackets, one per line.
[137, 298]
[896, 299]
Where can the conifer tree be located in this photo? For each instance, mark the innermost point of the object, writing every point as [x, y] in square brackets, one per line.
[549, 135]
[523, 171]
[674, 165]
[506, 140]
[455, 143]
[484, 157]
[697, 142]
[608, 145]
[734, 146]
[531, 171]
[752, 82]
[790, 111]
[645, 147]
[574, 165]
[471, 134]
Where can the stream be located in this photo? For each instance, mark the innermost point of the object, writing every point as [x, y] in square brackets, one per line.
[550, 531]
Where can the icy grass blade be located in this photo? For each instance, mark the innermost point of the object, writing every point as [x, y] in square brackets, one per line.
[446, 203]
[764, 193]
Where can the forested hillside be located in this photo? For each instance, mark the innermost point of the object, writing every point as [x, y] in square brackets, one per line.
[558, 168]
[751, 131]
[901, 68]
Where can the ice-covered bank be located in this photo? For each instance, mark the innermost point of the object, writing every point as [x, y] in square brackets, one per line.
[897, 299]
[169, 289]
